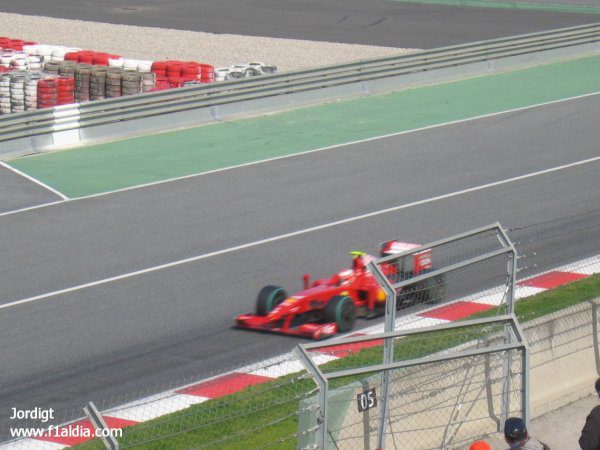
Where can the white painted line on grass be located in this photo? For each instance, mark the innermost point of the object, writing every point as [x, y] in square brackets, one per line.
[331, 147]
[294, 233]
[33, 180]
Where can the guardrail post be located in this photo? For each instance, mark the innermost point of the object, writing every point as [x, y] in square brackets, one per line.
[99, 425]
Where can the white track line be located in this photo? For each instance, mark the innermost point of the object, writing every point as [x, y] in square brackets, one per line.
[29, 208]
[294, 233]
[33, 180]
[331, 147]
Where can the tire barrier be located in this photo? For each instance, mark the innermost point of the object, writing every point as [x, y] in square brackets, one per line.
[5, 94]
[113, 82]
[83, 73]
[94, 75]
[17, 92]
[66, 90]
[237, 71]
[98, 83]
[47, 93]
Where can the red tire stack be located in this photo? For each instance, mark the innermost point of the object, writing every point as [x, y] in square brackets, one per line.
[161, 83]
[47, 93]
[101, 59]
[159, 68]
[72, 56]
[207, 73]
[17, 44]
[90, 57]
[66, 90]
[174, 69]
[190, 71]
[85, 57]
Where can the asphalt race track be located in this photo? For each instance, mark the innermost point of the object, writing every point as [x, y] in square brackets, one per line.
[18, 192]
[118, 339]
[377, 22]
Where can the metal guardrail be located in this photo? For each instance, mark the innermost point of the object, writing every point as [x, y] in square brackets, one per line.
[70, 117]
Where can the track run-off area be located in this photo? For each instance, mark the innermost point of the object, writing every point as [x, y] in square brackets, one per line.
[119, 165]
[130, 285]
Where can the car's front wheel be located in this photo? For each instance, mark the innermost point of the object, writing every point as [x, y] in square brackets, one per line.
[341, 310]
[268, 298]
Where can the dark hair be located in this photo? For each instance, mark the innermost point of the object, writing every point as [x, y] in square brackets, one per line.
[598, 385]
[515, 429]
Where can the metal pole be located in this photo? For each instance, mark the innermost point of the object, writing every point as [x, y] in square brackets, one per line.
[388, 349]
[313, 369]
[510, 309]
[92, 413]
[506, 384]
[526, 393]
[595, 334]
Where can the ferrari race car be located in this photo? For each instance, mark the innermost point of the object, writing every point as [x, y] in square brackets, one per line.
[329, 306]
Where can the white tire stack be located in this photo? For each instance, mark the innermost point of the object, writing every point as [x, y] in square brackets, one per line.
[44, 52]
[144, 66]
[222, 74]
[33, 63]
[6, 58]
[59, 52]
[31, 92]
[130, 64]
[148, 81]
[19, 61]
[5, 94]
[17, 93]
[115, 62]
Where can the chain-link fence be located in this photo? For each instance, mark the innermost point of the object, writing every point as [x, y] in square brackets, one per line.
[469, 272]
[445, 386]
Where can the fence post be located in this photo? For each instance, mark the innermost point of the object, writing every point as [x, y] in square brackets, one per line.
[595, 334]
[99, 425]
[388, 349]
[511, 271]
[313, 369]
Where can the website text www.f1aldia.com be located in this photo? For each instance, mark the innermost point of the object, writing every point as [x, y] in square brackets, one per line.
[43, 416]
[69, 431]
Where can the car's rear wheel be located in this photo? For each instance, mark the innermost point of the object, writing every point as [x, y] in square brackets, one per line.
[341, 310]
[268, 298]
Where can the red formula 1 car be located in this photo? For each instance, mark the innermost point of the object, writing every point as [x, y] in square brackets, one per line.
[331, 305]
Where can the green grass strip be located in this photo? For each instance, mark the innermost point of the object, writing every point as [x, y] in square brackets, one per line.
[538, 6]
[264, 416]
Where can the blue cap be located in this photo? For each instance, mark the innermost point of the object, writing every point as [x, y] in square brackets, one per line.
[515, 429]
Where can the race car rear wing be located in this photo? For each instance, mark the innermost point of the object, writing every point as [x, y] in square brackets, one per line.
[420, 260]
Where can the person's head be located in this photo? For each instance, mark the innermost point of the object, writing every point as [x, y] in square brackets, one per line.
[480, 445]
[514, 430]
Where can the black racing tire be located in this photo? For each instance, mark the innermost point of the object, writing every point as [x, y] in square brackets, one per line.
[268, 298]
[432, 290]
[341, 310]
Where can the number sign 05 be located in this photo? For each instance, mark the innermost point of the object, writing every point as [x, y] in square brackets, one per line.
[366, 400]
